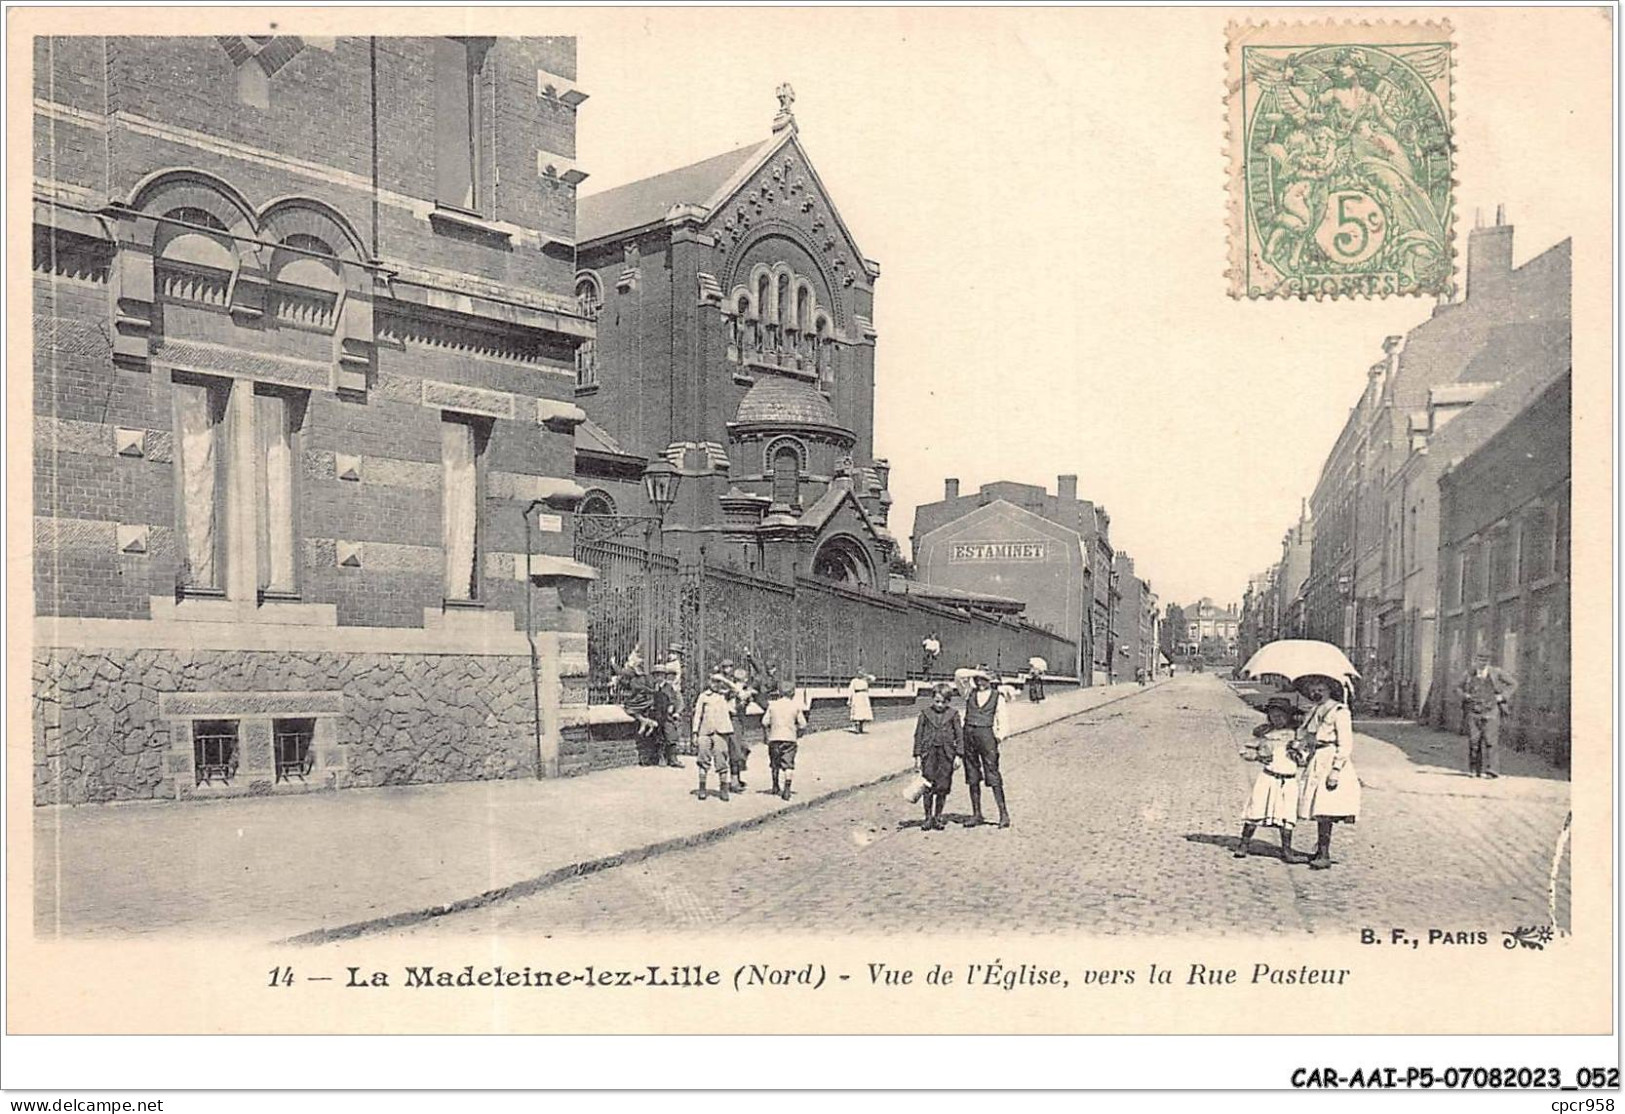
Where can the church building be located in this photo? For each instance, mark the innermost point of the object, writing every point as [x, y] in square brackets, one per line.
[736, 342]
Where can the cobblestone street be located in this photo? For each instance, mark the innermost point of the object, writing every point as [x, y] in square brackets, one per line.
[1125, 818]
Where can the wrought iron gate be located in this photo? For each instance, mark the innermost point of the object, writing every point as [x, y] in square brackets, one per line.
[632, 604]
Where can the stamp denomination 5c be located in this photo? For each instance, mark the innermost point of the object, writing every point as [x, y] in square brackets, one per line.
[1340, 159]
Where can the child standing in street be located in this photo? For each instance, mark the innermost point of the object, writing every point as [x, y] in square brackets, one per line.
[1273, 801]
[938, 746]
[783, 722]
[713, 731]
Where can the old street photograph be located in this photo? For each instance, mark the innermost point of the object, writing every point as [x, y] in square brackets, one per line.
[507, 485]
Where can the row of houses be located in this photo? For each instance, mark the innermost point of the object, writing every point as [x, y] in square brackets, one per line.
[1439, 526]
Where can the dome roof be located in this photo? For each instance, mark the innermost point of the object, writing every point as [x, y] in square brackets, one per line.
[776, 400]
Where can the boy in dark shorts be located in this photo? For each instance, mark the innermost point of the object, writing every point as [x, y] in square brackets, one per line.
[783, 723]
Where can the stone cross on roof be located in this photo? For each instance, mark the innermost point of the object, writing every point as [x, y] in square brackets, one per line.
[786, 117]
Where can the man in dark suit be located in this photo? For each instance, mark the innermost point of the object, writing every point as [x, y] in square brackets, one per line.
[1484, 695]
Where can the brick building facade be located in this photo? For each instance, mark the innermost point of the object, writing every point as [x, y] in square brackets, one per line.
[1439, 392]
[303, 361]
[1212, 628]
[736, 340]
[1504, 537]
[1134, 623]
[1069, 589]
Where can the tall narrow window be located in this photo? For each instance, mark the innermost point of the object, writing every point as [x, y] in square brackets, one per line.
[460, 445]
[457, 122]
[201, 452]
[590, 302]
[787, 318]
[276, 424]
[786, 475]
[765, 307]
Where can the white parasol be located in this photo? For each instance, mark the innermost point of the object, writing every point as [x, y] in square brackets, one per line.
[1294, 658]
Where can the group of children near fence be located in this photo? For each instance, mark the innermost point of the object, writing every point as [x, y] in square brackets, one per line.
[731, 694]
[943, 739]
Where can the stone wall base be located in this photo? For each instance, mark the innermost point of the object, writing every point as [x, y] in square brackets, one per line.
[134, 724]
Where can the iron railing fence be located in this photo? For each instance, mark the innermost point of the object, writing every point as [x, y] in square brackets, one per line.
[815, 632]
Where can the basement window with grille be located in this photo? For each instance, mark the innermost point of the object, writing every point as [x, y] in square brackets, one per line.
[214, 750]
[294, 756]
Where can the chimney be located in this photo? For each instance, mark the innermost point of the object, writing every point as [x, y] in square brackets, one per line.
[1066, 487]
[950, 489]
[1392, 346]
[1489, 257]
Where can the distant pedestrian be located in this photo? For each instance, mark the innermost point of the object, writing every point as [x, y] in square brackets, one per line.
[1328, 787]
[930, 649]
[985, 726]
[939, 744]
[713, 730]
[1036, 668]
[1273, 801]
[859, 709]
[1484, 695]
[784, 721]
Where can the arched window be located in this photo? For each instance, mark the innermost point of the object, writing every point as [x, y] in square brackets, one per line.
[841, 560]
[195, 265]
[590, 303]
[821, 348]
[806, 337]
[786, 463]
[764, 311]
[787, 318]
[306, 281]
[596, 503]
[745, 327]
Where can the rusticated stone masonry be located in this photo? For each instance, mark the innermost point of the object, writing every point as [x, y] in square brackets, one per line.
[109, 725]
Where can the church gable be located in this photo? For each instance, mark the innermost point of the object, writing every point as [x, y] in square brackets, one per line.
[838, 511]
[779, 214]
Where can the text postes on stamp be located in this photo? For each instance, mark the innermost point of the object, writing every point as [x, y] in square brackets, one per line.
[1340, 159]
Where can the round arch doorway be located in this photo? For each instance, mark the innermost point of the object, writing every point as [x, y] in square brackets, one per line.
[841, 560]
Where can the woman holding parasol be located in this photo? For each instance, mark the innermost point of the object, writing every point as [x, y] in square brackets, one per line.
[1329, 787]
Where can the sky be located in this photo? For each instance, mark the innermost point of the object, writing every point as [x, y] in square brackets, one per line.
[1045, 193]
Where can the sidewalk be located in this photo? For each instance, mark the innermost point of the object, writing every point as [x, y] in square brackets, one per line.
[331, 865]
[1437, 763]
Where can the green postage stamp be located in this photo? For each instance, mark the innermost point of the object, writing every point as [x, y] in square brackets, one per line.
[1340, 159]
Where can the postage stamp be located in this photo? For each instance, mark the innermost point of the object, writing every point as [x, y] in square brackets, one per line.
[1340, 159]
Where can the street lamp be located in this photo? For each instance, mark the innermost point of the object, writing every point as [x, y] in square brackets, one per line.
[660, 481]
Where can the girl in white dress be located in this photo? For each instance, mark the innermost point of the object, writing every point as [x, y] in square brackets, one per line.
[858, 705]
[1273, 801]
[1329, 788]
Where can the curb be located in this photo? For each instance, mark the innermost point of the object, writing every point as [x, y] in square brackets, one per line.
[528, 886]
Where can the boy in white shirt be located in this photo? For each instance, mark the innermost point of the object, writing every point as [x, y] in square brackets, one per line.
[783, 721]
[713, 731]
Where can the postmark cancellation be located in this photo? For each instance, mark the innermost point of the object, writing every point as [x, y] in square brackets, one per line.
[1340, 159]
